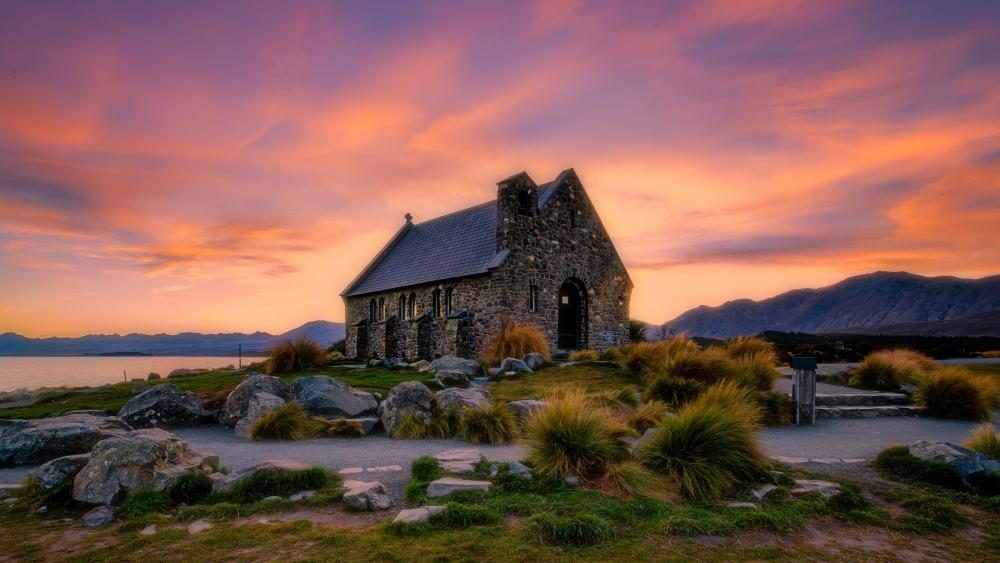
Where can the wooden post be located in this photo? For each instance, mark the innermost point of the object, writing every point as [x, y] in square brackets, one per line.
[241, 355]
[804, 389]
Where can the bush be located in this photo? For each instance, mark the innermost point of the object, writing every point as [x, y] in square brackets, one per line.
[755, 370]
[263, 484]
[287, 422]
[706, 450]
[337, 428]
[631, 478]
[295, 355]
[646, 416]
[612, 355]
[463, 516]
[425, 468]
[584, 356]
[778, 408]
[143, 502]
[986, 440]
[570, 436]
[514, 341]
[410, 426]
[489, 425]
[646, 358]
[674, 391]
[952, 392]
[898, 463]
[887, 369]
[446, 423]
[636, 331]
[578, 530]
[706, 366]
[190, 488]
[734, 399]
[743, 346]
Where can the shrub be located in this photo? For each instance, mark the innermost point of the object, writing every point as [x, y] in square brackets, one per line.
[675, 391]
[736, 400]
[294, 355]
[514, 341]
[337, 428]
[425, 468]
[706, 366]
[144, 501]
[190, 487]
[778, 408]
[613, 355]
[410, 426]
[705, 450]
[952, 392]
[458, 515]
[446, 423]
[886, 369]
[631, 478]
[986, 440]
[897, 462]
[742, 346]
[494, 424]
[627, 396]
[646, 416]
[263, 484]
[584, 356]
[569, 436]
[636, 331]
[287, 422]
[925, 513]
[578, 530]
[755, 370]
[646, 358]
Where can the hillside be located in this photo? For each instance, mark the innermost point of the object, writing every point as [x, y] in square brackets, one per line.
[183, 344]
[870, 300]
[979, 324]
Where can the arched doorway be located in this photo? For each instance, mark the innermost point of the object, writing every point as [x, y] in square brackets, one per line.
[362, 340]
[572, 315]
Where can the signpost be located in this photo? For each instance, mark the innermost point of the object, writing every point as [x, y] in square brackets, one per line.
[804, 389]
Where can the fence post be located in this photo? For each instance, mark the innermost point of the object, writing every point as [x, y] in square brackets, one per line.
[804, 389]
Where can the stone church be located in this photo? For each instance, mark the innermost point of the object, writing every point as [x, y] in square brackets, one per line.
[537, 254]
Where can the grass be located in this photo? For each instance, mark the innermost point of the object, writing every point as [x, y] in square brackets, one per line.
[896, 462]
[576, 530]
[287, 422]
[191, 487]
[263, 484]
[675, 391]
[752, 346]
[411, 426]
[592, 379]
[584, 356]
[646, 358]
[755, 370]
[887, 369]
[490, 425]
[337, 428]
[986, 440]
[515, 340]
[739, 402]
[706, 366]
[955, 393]
[295, 355]
[647, 415]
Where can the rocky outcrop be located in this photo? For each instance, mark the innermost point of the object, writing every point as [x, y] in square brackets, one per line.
[962, 459]
[143, 458]
[54, 473]
[164, 405]
[322, 395]
[475, 398]
[28, 442]
[361, 495]
[259, 405]
[470, 368]
[448, 485]
[523, 409]
[407, 397]
[239, 399]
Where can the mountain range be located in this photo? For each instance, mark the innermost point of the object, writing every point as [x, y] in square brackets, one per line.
[877, 303]
[183, 344]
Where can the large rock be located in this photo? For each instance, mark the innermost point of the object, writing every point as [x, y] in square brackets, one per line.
[447, 485]
[260, 404]
[325, 396]
[525, 408]
[99, 516]
[470, 368]
[239, 400]
[361, 495]
[421, 366]
[459, 461]
[447, 379]
[53, 473]
[225, 483]
[407, 397]
[476, 398]
[534, 360]
[163, 405]
[964, 460]
[514, 365]
[418, 515]
[29, 442]
[144, 458]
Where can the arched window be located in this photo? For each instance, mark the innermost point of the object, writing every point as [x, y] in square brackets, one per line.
[401, 311]
[381, 308]
[372, 311]
[447, 301]
[411, 307]
[436, 303]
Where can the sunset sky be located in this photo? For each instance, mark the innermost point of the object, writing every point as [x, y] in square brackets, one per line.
[231, 166]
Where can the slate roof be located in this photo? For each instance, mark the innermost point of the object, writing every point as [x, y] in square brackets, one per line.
[456, 245]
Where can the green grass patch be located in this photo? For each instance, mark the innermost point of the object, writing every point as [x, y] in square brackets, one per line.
[592, 378]
[576, 530]
[263, 484]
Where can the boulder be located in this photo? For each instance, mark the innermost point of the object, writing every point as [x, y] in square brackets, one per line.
[361, 495]
[826, 489]
[446, 379]
[239, 399]
[409, 396]
[447, 485]
[459, 461]
[515, 365]
[30, 442]
[421, 365]
[761, 492]
[418, 515]
[225, 483]
[523, 409]
[369, 423]
[325, 396]
[259, 405]
[55, 472]
[100, 516]
[964, 460]
[534, 360]
[515, 468]
[163, 405]
[143, 458]
[198, 526]
[148, 530]
[470, 368]
[461, 398]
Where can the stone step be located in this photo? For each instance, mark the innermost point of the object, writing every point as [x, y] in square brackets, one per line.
[873, 398]
[866, 411]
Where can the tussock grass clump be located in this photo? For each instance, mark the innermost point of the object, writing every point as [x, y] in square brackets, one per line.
[144, 502]
[616, 355]
[287, 422]
[674, 391]
[337, 428]
[986, 440]
[514, 340]
[425, 468]
[706, 450]
[584, 356]
[190, 488]
[647, 415]
[494, 424]
[576, 530]
[896, 462]
[457, 515]
[411, 426]
[887, 369]
[646, 358]
[706, 366]
[755, 370]
[738, 401]
[570, 436]
[743, 346]
[295, 355]
[777, 408]
[952, 392]
[263, 484]
[630, 478]
[446, 423]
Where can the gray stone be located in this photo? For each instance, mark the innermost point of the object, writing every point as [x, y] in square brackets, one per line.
[225, 483]
[735, 504]
[534, 360]
[325, 396]
[762, 491]
[572, 480]
[198, 526]
[302, 496]
[462, 398]
[238, 401]
[259, 405]
[421, 366]
[362, 495]
[407, 397]
[100, 516]
[143, 458]
[55, 472]
[446, 379]
[10, 501]
[515, 365]
[272, 498]
[374, 363]
[515, 468]
[470, 368]
[523, 409]
[459, 461]
[30, 442]
[447, 485]
[368, 424]
[418, 515]
[42, 510]
[964, 460]
[776, 475]
[826, 489]
[163, 405]
[148, 530]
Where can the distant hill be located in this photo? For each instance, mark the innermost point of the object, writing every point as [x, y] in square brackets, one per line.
[880, 299]
[979, 324]
[184, 344]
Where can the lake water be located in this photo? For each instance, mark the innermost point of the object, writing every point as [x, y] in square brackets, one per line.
[23, 372]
